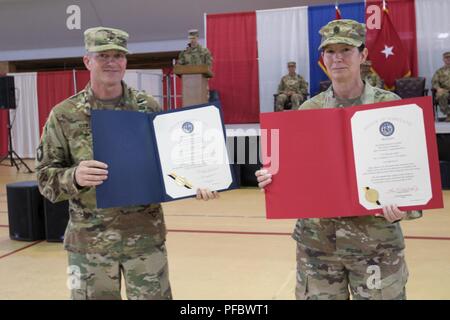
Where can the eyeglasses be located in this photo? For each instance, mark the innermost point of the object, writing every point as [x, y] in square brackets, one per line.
[103, 57]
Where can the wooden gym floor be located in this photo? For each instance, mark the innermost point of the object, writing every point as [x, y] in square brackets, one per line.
[223, 249]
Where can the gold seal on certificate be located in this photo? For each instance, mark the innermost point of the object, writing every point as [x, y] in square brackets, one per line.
[372, 195]
[181, 181]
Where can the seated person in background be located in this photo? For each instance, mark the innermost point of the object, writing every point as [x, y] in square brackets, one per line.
[292, 86]
[369, 76]
[194, 54]
[441, 83]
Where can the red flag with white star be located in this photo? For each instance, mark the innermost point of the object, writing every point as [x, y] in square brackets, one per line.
[388, 55]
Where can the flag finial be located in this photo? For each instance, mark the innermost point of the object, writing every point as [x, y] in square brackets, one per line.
[338, 12]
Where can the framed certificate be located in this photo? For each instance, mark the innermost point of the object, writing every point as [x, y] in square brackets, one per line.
[352, 161]
[163, 156]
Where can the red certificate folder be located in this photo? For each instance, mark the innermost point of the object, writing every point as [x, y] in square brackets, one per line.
[316, 175]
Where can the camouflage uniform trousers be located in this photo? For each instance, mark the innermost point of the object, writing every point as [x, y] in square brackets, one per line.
[443, 102]
[329, 276]
[282, 99]
[98, 276]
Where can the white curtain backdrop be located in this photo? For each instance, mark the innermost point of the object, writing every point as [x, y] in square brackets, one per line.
[282, 36]
[148, 80]
[25, 118]
[152, 82]
[131, 78]
[433, 35]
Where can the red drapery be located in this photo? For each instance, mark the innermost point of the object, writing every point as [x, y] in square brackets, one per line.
[231, 38]
[82, 77]
[3, 132]
[52, 88]
[403, 16]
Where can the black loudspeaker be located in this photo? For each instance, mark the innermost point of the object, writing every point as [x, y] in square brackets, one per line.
[244, 154]
[25, 211]
[56, 219]
[445, 174]
[7, 93]
[252, 161]
[443, 142]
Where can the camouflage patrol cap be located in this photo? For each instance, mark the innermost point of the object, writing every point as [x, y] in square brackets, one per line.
[345, 31]
[102, 39]
[367, 63]
[291, 63]
[446, 54]
[193, 33]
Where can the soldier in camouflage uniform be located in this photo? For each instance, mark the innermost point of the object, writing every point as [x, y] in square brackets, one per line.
[195, 54]
[360, 256]
[441, 82]
[102, 244]
[370, 77]
[292, 86]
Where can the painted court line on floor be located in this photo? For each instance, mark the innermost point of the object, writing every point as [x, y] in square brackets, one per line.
[223, 232]
[267, 233]
[20, 249]
[283, 234]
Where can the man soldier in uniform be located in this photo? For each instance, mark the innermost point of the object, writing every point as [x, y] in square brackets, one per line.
[369, 76]
[441, 83]
[194, 54]
[292, 87]
[361, 256]
[103, 244]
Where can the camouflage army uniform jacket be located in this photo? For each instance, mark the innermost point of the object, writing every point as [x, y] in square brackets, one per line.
[364, 235]
[195, 55]
[441, 78]
[67, 140]
[295, 84]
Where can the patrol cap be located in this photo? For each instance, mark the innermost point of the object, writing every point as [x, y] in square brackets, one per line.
[291, 63]
[193, 33]
[446, 54]
[102, 39]
[345, 31]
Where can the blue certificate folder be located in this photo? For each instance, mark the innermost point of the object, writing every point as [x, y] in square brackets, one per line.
[125, 140]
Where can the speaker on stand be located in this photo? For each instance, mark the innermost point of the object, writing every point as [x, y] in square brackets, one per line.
[8, 101]
[7, 93]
